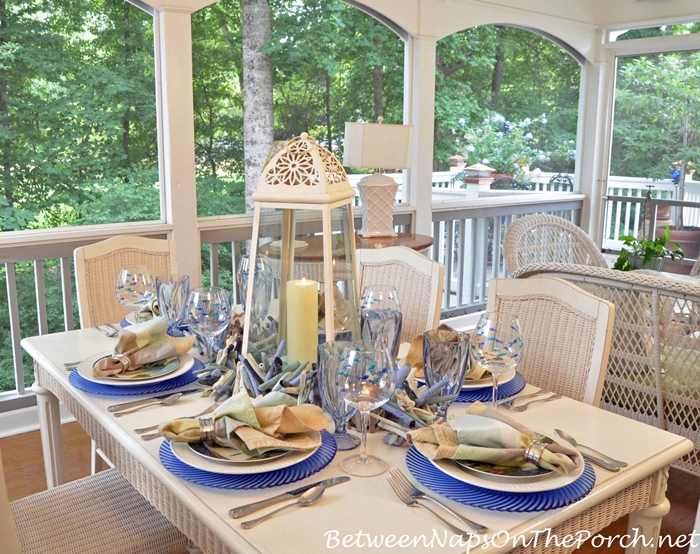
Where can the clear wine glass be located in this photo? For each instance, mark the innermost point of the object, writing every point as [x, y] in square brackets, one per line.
[262, 292]
[445, 363]
[497, 345]
[209, 314]
[380, 317]
[367, 380]
[135, 287]
[330, 355]
[173, 292]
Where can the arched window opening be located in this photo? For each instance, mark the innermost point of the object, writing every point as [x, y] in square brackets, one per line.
[508, 98]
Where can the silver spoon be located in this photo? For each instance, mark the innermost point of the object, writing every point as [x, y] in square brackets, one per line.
[165, 402]
[306, 499]
[564, 435]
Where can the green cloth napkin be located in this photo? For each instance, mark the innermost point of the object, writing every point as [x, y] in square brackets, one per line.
[485, 435]
[254, 428]
[143, 343]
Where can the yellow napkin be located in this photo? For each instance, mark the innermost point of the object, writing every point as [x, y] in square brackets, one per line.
[253, 431]
[485, 435]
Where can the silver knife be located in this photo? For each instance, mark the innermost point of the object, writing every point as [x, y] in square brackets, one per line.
[152, 399]
[243, 511]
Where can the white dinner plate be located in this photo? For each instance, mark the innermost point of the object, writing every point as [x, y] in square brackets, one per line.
[471, 384]
[555, 481]
[131, 318]
[85, 371]
[184, 453]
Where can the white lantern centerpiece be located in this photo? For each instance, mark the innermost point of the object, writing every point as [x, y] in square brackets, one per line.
[303, 231]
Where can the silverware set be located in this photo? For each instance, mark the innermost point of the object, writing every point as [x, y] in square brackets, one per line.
[107, 329]
[600, 459]
[305, 496]
[509, 403]
[409, 496]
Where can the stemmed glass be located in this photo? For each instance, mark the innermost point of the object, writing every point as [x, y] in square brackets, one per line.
[330, 355]
[497, 345]
[209, 314]
[380, 317]
[367, 380]
[262, 289]
[135, 287]
[173, 292]
[445, 363]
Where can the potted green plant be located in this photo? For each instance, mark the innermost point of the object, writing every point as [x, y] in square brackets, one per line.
[643, 253]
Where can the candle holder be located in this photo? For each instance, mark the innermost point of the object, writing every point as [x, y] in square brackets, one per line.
[303, 231]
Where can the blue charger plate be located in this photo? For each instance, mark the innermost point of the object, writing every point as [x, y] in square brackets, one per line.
[313, 464]
[511, 388]
[431, 477]
[84, 385]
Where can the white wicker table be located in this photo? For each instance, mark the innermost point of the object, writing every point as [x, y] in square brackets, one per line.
[361, 505]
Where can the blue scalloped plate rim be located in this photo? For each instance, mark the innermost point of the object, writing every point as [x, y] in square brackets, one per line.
[511, 388]
[313, 464]
[431, 477]
[108, 390]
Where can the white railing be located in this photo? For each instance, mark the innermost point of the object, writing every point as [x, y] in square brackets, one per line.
[469, 238]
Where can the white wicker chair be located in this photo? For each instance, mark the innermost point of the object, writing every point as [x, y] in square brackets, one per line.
[654, 368]
[100, 514]
[543, 238]
[566, 330]
[418, 280]
[695, 271]
[97, 267]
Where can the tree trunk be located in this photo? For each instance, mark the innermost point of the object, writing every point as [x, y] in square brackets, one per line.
[328, 112]
[4, 115]
[497, 78]
[258, 121]
[126, 123]
[378, 89]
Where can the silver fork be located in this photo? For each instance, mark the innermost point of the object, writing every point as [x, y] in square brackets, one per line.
[411, 490]
[108, 331]
[411, 502]
[509, 402]
[209, 410]
[523, 407]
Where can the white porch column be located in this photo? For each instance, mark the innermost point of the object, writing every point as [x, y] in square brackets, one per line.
[420, 112]
[593, 145]
[174, 97]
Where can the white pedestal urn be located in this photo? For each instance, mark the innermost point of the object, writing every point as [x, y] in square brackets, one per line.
[377, 194]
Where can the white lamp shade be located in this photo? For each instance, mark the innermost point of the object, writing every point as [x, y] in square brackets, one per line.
[377, 145]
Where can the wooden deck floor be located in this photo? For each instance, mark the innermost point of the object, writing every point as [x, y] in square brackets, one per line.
[24, 474]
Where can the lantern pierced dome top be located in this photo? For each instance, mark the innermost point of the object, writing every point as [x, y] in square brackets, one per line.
[303, 172]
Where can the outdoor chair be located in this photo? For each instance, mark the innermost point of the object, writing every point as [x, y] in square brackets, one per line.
[99, 514]
[540, 238]
[566, 331]
[418, 281]
[508, 183]
[653, 372]
[695, 271]
[97, 267]
[561, 182]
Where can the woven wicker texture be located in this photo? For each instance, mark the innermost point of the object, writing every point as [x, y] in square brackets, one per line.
[552, 360]
[541, 238]
[101, 513]
[98, 279]
[653, 371]
[594, 519]
[140, 478]
[413, 288]
[695, 271]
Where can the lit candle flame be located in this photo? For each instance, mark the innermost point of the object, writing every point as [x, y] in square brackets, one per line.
[303, 281]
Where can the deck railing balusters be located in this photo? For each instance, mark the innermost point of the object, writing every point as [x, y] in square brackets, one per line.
[67, 294]
[214, 264]
[40, 289]
[11, 276]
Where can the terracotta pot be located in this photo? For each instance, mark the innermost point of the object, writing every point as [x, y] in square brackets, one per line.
[688, 239]
[662, 212]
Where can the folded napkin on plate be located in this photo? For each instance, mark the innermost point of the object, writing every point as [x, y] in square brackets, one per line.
[255, 427]
[414, 358]
[484, 435]
[143, 343]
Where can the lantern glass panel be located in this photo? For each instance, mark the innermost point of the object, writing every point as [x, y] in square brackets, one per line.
[313, 248]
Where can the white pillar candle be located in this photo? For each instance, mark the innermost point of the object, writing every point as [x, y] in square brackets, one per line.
[302, 320]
